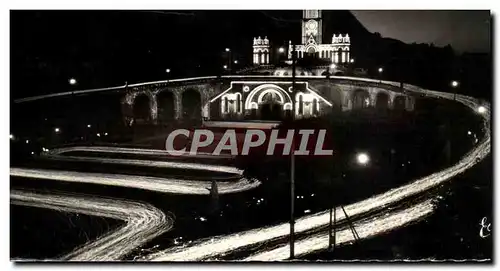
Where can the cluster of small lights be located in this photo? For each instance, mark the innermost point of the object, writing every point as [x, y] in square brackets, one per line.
[300, 197]
[178, 240]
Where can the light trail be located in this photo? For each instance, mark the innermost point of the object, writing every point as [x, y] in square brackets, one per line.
[147, 163]
[220, 245]
[144, 222]
[138, 151]
[379, 224]
[156, 184]
[206, 249]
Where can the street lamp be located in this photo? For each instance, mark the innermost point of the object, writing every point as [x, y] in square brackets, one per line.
[168, 73]
[281, 50]
[57, 130]
[352, 60]
[72, 81]
[380, 70]
[236, 62]
[454, 85]
[229, 59]
[333, 66]
[362, 158]
[481, 109]
[225, 67]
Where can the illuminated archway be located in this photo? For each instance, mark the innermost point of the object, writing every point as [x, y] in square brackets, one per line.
[256, 95]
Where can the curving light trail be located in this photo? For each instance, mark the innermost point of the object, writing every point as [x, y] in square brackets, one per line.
[205, 249]
[138, 151]
[216, 246]
[144, 222]
[379, 224]
[156, 184]
[148, 163]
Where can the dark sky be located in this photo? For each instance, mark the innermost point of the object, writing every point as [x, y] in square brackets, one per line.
[463, 30]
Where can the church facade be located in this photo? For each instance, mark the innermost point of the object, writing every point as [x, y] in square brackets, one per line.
[338, 51]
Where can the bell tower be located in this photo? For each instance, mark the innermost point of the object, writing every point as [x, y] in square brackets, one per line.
[312, 27]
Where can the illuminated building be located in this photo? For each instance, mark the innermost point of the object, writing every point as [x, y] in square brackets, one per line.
[338, 51]
[260, 51]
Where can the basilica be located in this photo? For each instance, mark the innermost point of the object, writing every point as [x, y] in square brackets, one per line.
[338, 51]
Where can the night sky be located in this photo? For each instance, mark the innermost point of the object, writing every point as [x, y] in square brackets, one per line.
[464, 30]
[109, 48]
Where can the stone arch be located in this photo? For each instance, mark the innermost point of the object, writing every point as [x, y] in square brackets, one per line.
[141, 108]
[399, 103]
[166, 106]
[382, 100]
[333, 94]
[360, 99]
[191, 104]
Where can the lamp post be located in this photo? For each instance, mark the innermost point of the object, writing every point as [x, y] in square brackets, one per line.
[481, 109]
[292, 168]
[281, 53]
[454, 85]
[362, 159]
[380, 70]
[168, 74]
[229, 59]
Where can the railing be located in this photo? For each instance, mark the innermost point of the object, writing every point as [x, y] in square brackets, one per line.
[209, 78]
